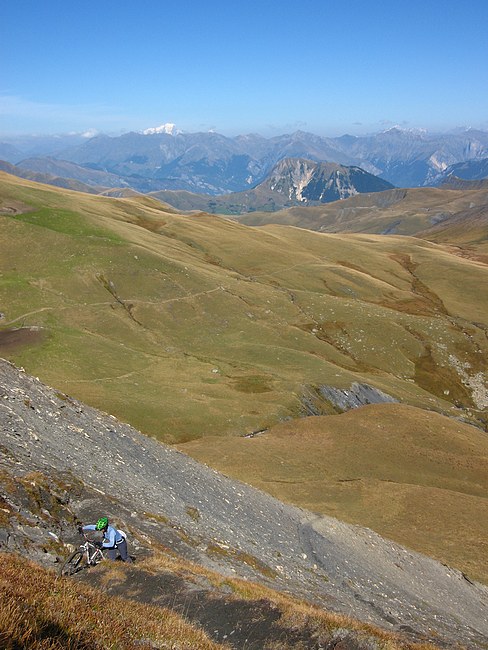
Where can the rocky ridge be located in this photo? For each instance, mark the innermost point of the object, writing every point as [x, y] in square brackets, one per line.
[309, 182]
[94, 462]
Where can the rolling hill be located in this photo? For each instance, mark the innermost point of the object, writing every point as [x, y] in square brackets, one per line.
[131, 298]
[397, 211]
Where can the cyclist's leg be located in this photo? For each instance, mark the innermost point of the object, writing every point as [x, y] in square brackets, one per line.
[122, 548]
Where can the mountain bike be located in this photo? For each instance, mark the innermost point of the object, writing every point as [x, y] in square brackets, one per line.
[88, 554]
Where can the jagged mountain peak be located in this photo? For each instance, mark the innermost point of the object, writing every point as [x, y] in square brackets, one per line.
[308, 181]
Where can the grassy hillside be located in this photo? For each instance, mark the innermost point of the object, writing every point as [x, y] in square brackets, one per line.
[411, 475]
[467, 229]
[192, 325]
[398, 211]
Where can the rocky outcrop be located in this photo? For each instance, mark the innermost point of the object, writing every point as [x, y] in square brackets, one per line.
[354, 397]
[63, 461]
[310, 182]
[319, 401]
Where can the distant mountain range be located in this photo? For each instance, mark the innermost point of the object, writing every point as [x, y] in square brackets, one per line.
[210, 163]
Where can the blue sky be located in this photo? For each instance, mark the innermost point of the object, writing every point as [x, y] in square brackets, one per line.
[268, 66]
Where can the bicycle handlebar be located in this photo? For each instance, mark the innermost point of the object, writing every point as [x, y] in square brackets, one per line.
[86, 537]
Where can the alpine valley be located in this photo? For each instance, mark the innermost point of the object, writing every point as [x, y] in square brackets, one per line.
[310, 395]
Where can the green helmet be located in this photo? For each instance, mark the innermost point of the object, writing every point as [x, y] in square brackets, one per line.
[101, 523]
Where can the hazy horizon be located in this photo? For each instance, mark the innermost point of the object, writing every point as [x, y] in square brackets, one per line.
[15, 137]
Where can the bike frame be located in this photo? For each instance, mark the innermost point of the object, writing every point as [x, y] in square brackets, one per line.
[92, 553]
[87, 554]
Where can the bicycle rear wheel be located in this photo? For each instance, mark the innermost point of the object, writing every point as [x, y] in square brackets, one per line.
[73, 564]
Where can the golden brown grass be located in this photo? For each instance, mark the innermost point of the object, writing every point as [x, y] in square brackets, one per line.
[40, 611]
[413, 476]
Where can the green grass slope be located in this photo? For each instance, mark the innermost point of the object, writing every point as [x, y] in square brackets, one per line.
[188, 326]
[413, 476]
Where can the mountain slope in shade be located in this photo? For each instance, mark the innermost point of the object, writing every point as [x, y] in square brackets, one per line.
[66, 169]
[46, 178]
[469, 170]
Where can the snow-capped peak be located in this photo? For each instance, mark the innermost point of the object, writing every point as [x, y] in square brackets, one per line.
[400, 129]
[168, 128]
[90, 133]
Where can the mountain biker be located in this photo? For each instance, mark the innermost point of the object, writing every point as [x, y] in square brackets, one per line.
[113, 542]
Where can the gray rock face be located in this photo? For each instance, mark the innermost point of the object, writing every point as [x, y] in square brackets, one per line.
[317, 401]
[151, 487]
[354, 397]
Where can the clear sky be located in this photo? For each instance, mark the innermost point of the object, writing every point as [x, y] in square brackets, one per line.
[265, 66]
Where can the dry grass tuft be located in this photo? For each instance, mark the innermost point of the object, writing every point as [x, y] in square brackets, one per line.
[43, 612]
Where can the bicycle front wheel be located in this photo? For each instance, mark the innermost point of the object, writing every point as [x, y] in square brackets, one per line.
[73, 564]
